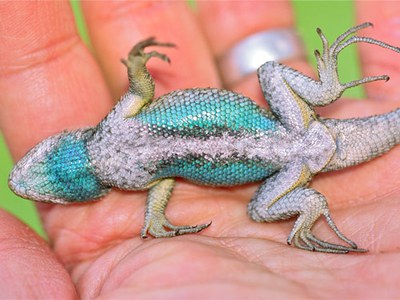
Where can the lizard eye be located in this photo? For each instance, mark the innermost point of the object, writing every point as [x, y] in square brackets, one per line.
[57, 170]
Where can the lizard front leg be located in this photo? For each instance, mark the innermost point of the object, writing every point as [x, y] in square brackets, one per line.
[141, 84]
[155, 221]
[285, 195]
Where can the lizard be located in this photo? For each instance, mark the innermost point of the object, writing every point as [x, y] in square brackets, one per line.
[217, 137]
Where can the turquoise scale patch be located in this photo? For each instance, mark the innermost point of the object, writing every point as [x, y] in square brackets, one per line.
[67, 172]
[222, 173]
[204, 112]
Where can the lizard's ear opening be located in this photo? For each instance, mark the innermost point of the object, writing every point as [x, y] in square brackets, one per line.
[57, 170]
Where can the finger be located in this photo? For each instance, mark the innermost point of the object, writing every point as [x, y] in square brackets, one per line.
[29, 269]
[114, 27]
[376, 60]
[48, 80]
[227, 23]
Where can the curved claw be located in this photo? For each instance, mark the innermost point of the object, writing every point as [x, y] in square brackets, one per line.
[158, 55]
[137, 51]
[366, 80]
[349, 32]
[361, 39]
[325, 43]
[166, 229]
[138, 48]
[180, 230]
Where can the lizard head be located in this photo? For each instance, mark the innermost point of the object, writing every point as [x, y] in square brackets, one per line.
[57, 170]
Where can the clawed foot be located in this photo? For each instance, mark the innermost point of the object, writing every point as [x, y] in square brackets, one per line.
[302, 238]
[138, 51]
[159, 226]
[327, 62]
[155, 221]
[307, 241]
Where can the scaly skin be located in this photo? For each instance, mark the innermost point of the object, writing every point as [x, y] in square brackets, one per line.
[219, 138]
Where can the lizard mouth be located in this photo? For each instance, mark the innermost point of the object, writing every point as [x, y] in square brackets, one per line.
[18, 182]
[18, 187]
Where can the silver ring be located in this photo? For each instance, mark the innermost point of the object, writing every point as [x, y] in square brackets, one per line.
[249, 54]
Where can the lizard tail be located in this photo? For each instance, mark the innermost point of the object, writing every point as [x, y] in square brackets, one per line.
[360, 140]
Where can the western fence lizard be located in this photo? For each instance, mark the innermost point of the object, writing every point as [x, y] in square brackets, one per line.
[216, 137]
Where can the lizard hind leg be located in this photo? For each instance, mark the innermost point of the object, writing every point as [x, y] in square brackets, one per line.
[283, 196]
[156, 222]
[292, 95]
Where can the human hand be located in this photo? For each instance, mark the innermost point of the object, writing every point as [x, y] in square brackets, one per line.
[50, 82]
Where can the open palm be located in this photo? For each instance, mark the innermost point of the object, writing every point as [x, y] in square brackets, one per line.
[50, 82]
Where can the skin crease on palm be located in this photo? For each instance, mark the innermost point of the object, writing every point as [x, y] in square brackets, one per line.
[51, 82]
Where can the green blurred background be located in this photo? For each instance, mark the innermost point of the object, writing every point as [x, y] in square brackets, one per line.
[333, 17]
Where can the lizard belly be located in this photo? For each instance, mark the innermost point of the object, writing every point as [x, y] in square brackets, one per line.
[208, 136]
[216, 160]
[220, 161]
